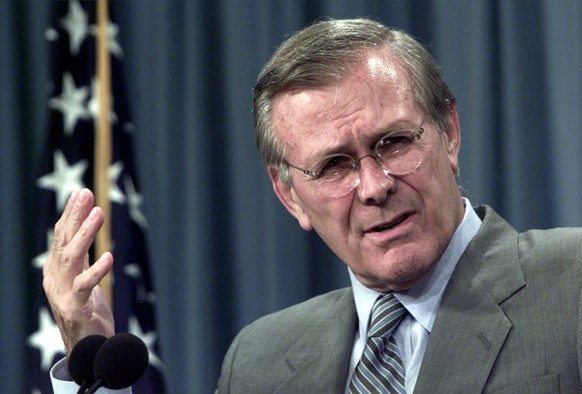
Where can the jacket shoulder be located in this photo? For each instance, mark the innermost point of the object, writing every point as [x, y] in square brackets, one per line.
[300, 336]
[312, 311]
[559, 251]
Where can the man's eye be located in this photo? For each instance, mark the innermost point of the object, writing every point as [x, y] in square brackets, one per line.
[395, 140]
[334, 166]
[335, 162]
[394, 143]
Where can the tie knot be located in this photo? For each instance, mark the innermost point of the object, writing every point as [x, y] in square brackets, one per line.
[386, 314]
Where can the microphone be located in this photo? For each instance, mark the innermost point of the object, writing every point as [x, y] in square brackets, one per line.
[80, 360]
[119, 362]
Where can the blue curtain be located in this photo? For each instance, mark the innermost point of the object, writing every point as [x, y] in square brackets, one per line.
[224, 251]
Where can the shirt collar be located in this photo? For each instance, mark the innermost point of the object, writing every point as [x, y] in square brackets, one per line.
[422, 300]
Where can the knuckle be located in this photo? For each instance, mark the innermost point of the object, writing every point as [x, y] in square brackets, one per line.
[84, 231]
[67, 258]
[77, 214]
[60, 238]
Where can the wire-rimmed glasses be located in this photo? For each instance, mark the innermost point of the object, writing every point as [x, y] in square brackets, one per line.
[397, 152]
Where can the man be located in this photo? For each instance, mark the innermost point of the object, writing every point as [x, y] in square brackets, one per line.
[361, 138]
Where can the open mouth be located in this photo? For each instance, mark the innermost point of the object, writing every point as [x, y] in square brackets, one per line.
[390, 225]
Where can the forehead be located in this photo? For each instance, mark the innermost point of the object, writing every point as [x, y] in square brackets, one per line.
[374, 96]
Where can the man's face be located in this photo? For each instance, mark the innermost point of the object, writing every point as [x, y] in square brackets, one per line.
[389, 230]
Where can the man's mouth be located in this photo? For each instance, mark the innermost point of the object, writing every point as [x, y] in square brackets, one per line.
[390, 225]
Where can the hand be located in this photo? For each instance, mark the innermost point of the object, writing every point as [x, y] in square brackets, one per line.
[71, 285]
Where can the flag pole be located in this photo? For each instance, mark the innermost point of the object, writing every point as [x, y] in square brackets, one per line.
[103, 151]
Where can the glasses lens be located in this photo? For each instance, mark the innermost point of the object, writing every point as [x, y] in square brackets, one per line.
[336, 175]
[400, 153]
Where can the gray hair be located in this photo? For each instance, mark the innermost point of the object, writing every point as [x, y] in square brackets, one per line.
[324, 53]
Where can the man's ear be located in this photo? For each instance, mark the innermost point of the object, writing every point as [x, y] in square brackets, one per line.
[453, 137]
[289, 198]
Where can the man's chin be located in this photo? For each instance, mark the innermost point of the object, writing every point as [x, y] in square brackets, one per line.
[393, 277]
[387, 283]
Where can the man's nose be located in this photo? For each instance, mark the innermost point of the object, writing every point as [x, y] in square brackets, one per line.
[375, 183]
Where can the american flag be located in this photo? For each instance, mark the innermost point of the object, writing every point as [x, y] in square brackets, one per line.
[67, 165]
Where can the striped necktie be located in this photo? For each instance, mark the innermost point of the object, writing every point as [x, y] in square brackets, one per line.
[380, 369]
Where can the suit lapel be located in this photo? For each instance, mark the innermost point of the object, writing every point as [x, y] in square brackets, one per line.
[470, 327]
[465, 341]
[318, 361]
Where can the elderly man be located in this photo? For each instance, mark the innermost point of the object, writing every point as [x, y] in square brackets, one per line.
[361, 137]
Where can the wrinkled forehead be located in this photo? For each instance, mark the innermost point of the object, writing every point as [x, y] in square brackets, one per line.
[378, 83]
[374, 98]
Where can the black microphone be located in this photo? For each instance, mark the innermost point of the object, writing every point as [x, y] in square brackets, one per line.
[119, 362]
[80, 360]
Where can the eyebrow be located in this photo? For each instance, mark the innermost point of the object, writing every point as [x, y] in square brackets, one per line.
[401, 124]
[331, 150]
[371, 140]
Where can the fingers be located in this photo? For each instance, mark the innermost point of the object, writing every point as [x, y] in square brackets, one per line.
[76, 211]
[73, 235]
[83, 310]
[69, 255]
[78, 247]
[86, 281]
[72, 304]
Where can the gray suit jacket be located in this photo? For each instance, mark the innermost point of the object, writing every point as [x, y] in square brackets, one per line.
[509, 322]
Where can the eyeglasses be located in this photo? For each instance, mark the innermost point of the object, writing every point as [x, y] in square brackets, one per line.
[397, 153]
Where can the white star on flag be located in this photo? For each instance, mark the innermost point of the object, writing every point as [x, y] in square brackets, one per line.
[47, 339]
[134, 201]
[134, 328]
[112, 41]
[115, 193]
[142, 295]
[71, 103]
[65, 179]
[76, 24]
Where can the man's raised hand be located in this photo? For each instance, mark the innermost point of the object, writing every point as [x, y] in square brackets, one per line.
[71, 285]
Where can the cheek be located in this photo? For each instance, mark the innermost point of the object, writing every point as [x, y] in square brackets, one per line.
[437, 188]
[440, 171]
[445, 207]
[331, 220]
